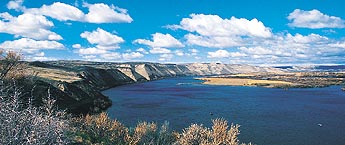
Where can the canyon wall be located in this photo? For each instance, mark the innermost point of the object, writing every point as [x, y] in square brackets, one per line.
[77, 84]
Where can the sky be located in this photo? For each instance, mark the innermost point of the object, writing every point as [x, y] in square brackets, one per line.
[269, 32]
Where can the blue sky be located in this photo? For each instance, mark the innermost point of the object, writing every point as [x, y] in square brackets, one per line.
[240, 32]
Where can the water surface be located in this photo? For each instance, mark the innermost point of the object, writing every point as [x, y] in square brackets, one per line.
[267, 116]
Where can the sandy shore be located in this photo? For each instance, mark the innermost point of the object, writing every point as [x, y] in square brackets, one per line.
[244, 82]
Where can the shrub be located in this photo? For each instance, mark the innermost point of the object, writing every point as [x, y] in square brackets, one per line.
[22, 123]
[97, 129]
[218, 135]
[100, 129]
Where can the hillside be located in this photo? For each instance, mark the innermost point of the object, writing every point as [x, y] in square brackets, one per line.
[78, 84]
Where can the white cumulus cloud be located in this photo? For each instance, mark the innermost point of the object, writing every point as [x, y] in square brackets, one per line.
[213, 42]
[159, 50]
[142, 50]
[97, 13]
[31, 48]
[102, 13]
[218, 54]
[314, 19]
[59, 11]
[213, 25]
[165, 57]
[111, 56]
[215, 32]
[30, 44]
[16, 5]
[91, 51]
[28, 25]
[161, 40]
[102, 38]
[76, 46]
[132, 55]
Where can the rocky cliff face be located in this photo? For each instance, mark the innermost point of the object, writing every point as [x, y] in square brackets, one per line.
[219, 69]
[78, 84]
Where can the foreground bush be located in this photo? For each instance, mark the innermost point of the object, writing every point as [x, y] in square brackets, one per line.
[22, 123]
[218, 135]
[100, 129]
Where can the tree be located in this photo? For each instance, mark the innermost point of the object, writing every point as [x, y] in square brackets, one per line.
[10, 66]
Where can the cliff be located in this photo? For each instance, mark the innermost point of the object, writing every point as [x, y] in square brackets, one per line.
[77, 84]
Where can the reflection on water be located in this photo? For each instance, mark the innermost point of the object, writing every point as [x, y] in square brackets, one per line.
[266, 116]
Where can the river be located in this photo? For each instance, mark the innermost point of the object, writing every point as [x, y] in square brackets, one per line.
[313, 116]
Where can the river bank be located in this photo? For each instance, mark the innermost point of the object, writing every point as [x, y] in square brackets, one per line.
[279, 80]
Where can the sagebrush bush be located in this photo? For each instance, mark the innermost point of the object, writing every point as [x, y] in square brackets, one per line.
[23, 123]
[218, 135]
[100, 129]
[97, 129]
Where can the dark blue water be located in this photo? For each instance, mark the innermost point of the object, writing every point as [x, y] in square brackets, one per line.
[267, 116]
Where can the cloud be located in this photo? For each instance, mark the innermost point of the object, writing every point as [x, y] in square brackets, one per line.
[311, 38]
[76, 46]
[291, 49]
[97, 13]
[179, 53]
[161, 40]
[102, 13]
[160, 44]
[105, 44]
[16, 5]
[28, 25]
[314, 19]
[165, 57]
[218, 54]
[111, 56]
[158, 50]
[213, 25]
[338, 45]
[92, 50]
[59, 11]
[142, 50]
[192, 52]
[215, 32]
[102, 39]
[132, 55]
[30, 45]
[213, 42]
[32, 48]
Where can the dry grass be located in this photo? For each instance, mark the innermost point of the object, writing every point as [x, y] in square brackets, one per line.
[54, 74]
[243, 82]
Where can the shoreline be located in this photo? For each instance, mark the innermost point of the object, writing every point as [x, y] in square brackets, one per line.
[244, 82]
[279, 80]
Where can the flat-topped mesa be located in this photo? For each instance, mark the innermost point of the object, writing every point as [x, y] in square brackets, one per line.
[219, 69]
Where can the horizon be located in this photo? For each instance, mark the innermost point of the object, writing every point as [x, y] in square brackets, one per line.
[268, 33]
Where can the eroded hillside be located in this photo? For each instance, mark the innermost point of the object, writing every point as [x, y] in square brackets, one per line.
[78, 83]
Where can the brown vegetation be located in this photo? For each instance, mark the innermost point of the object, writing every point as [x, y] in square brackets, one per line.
[10, 66]
[280, 80]
[100, 129]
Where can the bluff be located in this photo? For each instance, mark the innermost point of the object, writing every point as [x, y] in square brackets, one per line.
[77, 85]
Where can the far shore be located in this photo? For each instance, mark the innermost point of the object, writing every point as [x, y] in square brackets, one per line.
[279, 80]
[244, 82]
